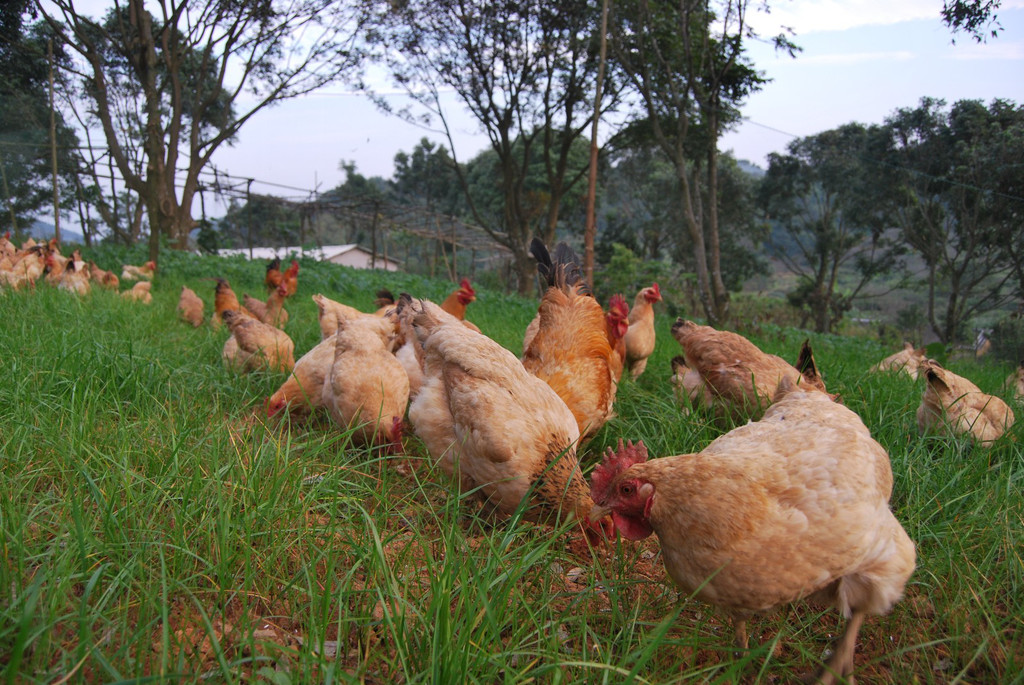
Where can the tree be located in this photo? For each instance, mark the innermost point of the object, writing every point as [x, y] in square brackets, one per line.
[822, 195]
[685, 62]
[525, 71]
[427, 177]
[191, 77]
[26, 184]
[951, 165]
[977, 18]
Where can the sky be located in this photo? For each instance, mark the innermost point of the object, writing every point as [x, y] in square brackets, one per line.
[861, 60]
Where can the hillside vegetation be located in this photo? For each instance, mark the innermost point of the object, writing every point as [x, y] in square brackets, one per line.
[155, 525]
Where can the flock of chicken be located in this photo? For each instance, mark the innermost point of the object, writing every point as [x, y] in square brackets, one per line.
[792, 505]
[23, 267]
[953, 404]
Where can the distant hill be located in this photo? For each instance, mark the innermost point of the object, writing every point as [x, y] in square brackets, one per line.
[41, 230]
[750, 168]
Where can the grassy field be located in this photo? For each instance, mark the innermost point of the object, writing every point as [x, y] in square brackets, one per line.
[154, 526]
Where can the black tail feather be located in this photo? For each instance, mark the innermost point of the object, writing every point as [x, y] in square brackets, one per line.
[563, 271]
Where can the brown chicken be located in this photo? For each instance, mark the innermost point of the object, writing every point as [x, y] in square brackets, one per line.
[908, 360]
[302, 392]
[255, 346]
[367, 388]
[793, 506]
[740, 379]
[689, 388]
[640, 335]
[290, 279]
[1014, 384]
[408, 350]
[501, 431]
[135, 273]
[224, 299]
[7, 248]
[24, 269]
[74, 278]
[270, 312]
[190, 307]
[272, 279]
[139, 292]
[574, 347]
[107, 279]
[56, 264]
[456, 303]
[330, 312]
[953, 404]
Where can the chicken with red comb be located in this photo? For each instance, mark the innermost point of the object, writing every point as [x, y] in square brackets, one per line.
[790, 507]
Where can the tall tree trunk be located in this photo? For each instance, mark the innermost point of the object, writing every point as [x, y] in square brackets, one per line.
[590, 229]
[719, 293]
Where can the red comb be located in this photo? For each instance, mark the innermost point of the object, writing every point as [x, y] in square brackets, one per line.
[617, 304]
[656, 289]
[613, 464]
[466, 286]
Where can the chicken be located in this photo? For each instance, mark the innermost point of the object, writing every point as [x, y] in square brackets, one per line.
[384, 300]
[25, 268]
[272, 279]
[689, 388]
[740, 379]
[56, 264]
[456, 303]
[135, 273]
[1014, 384]
[254, 345]
[953, 404]
[574, 347]
[504, 433]
[408, 351]
[367, 388]
[7, 248]
[139, 292]
[302, 392]
[270, 312]
[793, 506]
[107, 279]
[907, 360]
[290, 279]
[224, 299]
[640, 335]
[75, 279]
[190, 307]
[331, 312]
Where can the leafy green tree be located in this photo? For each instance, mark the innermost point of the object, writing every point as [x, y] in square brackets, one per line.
[26, 184]
[180, 84]
[427, 177]
[525, 71]
[976, 18]
[822, 196]
[685, 62]
[952, 163]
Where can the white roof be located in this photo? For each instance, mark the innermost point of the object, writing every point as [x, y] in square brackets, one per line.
[322, 253]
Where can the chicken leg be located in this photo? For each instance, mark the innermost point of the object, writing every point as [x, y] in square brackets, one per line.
[840, 664]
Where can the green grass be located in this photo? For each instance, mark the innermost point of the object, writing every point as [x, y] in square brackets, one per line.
[153, 526]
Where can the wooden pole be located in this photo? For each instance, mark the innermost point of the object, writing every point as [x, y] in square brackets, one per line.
[590, 229]
[53, 147]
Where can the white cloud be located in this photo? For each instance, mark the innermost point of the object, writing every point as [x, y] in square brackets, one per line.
[857, 58]
[811, 16]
